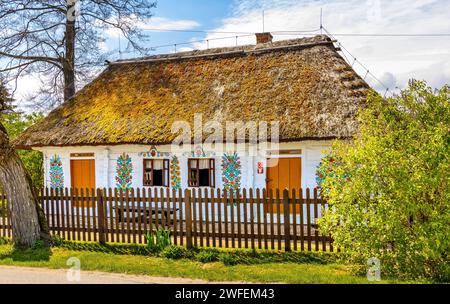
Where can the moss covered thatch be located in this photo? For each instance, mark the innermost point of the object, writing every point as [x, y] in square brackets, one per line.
[304, 83]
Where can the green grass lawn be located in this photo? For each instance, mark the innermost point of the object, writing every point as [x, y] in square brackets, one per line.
[153, 266]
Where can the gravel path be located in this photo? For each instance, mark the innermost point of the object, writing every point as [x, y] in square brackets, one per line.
[25, 275]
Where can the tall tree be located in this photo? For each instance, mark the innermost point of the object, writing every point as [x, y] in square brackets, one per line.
[60, 40]
[27, 218]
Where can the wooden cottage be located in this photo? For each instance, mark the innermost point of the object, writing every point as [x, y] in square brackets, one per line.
[118, 131]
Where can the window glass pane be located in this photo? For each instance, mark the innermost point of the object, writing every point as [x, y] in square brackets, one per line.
[204, 178]
[193, 163]
[158, 164]
[204, 164]
[158, 178]
[148, 164]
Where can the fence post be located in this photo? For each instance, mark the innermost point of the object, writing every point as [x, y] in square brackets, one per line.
[188, 213]
[100, 217]
[287, 221]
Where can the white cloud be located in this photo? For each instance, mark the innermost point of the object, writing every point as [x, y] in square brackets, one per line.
[392, 59]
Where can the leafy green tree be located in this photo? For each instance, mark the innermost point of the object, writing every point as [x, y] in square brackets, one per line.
[390, 192]
[15, 124]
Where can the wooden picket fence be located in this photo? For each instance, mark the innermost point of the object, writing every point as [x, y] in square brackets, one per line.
[260, 219]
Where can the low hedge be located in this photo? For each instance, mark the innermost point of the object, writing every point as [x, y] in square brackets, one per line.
[206, 255]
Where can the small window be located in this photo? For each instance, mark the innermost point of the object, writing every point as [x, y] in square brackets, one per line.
[156, 172]
[201, 173]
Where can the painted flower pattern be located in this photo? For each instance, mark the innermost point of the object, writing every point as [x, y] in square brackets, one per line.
[124, 171]
[231, 172]
[175, 173]
[56, 173]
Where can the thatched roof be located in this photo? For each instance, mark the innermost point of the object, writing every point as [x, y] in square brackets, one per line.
[303, 83]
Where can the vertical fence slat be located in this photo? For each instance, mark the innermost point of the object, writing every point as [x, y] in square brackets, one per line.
[139, 214]
[157, 213]
[147, 215]
[213, 216]
[67, 202]
[286, 218]
[109, 202]
[324, 241]
[245, 204]
[239, 222]
[279, 206]
[262, 204]
[207, 222]
[194, 215]
[219, 216]
[174, 216]
[200, 216]
[316, 232]
[225, 212]
[58, 210]
[151, 211]
[181, 222]
[272, 224]
[252, 219]
[308, 217]
[302, 224]
[294, 203]
[233, 243]
[187, 201]
[133, 214]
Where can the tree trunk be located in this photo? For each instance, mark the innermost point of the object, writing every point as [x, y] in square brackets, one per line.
[69, 60]
[27, 217]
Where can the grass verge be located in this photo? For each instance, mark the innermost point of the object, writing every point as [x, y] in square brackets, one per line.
[284, 272]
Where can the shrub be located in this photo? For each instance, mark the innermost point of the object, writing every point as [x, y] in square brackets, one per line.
[228, 259]
[173, 252]
[57, 240]
[389, 192]
[207, 256]
[38, 244]
[159, 240]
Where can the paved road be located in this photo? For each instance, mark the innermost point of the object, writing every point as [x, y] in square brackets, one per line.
[23, 275]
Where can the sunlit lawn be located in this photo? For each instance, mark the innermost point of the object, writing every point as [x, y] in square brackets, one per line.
[153, 266]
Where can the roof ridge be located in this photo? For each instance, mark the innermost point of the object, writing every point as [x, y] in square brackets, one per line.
[287, 44]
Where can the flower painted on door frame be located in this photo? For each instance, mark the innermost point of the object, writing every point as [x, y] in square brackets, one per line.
[124, 171]
[175, 174]
[231, 172]
[56, 173]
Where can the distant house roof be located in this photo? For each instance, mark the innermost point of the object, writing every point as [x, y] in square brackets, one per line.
[303, 83]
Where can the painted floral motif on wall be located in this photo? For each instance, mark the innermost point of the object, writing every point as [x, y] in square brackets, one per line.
[124, 171]
[154, 153]
[199, 152]
[231, 172]
[56, 173]
[327, 168]
[175, 174]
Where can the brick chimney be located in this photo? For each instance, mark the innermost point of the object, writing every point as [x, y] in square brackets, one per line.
[263, 38]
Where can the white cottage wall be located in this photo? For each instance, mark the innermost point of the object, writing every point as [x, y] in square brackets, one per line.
[106, 160]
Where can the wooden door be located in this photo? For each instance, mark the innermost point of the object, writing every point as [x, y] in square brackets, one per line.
[284, 173]
[82, 175]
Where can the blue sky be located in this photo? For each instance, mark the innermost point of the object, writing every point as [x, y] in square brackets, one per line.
[393, 60]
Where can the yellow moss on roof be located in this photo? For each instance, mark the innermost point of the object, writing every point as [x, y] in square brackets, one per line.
[310, 90]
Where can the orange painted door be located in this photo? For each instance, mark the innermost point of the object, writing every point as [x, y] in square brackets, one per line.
[284, 173]
[82, 174]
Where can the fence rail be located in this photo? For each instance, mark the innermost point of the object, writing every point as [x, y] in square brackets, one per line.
[260, 219]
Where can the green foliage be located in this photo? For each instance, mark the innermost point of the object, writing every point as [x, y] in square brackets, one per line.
[37, 244]
[4, 241]
[228, 259]
[159, 240]
[15, 124]
[207, 256]
[57, 240]
[396, 205]
[173, 252]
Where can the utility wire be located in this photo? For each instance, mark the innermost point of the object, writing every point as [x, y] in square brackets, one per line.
[355, 60]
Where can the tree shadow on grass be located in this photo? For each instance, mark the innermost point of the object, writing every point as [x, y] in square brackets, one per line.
[27, 255]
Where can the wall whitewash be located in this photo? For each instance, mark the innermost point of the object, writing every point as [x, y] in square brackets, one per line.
[106, 160]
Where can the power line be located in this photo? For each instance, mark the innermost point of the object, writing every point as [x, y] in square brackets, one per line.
[355, 60]
[285, 32]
